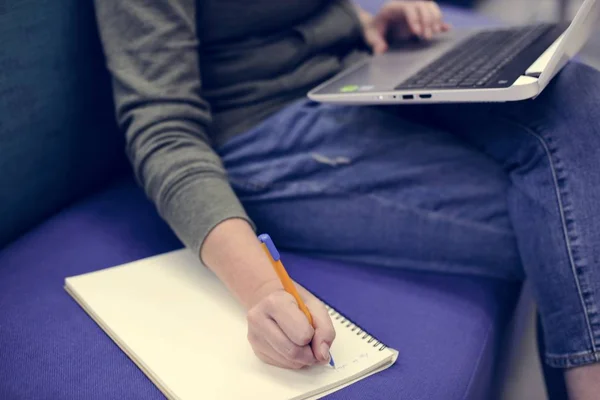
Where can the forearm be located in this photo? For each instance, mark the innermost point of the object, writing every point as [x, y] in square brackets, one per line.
[232, 251]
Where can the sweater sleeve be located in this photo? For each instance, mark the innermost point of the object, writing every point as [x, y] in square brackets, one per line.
[152, 53]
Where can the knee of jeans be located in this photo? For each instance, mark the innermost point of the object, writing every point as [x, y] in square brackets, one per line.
[574, 90]
[576, 72]
[569, 107]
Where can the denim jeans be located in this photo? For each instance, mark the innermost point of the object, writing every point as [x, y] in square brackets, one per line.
[499, 190]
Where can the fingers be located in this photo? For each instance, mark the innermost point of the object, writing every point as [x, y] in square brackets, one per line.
[373, 36]
[270, 342]
[283, 347]
[412, 16]
[291, 320]
[376, 40]
[436, 17]
[426, 18]
[398, 17]
[277, 360]
[288, 349]
[423, 19]
[324, 331]
[431, 18]
[280, 333]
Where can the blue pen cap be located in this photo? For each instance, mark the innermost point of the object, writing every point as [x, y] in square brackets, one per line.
[266, 239]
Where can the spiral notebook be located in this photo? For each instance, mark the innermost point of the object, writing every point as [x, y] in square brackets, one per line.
[179, 324]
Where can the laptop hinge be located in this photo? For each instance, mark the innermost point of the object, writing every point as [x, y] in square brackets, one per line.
[539, 65]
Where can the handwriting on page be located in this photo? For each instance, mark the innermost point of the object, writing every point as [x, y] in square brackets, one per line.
[361, 357]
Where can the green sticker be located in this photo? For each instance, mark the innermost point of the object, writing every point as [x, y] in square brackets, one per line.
[349, 88]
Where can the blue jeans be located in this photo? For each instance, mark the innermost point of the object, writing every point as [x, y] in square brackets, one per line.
[499, 190]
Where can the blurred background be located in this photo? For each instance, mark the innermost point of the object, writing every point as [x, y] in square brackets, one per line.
[524, 11]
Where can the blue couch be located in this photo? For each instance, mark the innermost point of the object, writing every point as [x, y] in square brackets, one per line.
[68, 205]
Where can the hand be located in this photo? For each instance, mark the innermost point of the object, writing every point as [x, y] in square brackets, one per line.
[277, 330]
[402, 19]
[281, 335]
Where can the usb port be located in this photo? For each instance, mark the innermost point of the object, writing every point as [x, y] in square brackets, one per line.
[408, 97]
[425, 96]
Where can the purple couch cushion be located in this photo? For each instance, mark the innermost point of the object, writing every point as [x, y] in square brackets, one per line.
[445, 327]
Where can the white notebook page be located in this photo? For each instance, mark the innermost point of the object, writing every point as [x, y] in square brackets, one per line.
[176, 320]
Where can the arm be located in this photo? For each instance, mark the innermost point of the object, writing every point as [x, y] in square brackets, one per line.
[277, 330]
[152, 52]
[232, 251]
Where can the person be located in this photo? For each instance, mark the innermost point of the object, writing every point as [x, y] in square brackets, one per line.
[211, 96]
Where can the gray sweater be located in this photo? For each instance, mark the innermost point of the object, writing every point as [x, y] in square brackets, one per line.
[190, 74]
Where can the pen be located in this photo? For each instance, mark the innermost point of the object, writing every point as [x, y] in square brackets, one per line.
[288, 285]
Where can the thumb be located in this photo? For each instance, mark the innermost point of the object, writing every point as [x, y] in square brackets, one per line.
[324, 332]
[321, 343]
[375, 39]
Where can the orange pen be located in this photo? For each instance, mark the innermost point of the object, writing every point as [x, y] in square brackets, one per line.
[286, 281]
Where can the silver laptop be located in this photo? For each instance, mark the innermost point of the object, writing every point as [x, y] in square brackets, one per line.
[498, 65]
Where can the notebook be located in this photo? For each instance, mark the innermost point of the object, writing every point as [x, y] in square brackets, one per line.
[185, 331]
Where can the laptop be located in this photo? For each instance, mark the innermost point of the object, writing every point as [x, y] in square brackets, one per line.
[474, 65]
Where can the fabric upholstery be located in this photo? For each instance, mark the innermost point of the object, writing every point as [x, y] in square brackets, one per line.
[57, 133]
[58, 142]
[58, 138]
[446, 328]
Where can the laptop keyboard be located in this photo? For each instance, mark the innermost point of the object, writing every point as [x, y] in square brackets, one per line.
[480, 60]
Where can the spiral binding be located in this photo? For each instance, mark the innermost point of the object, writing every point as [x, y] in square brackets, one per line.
[354, 327]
